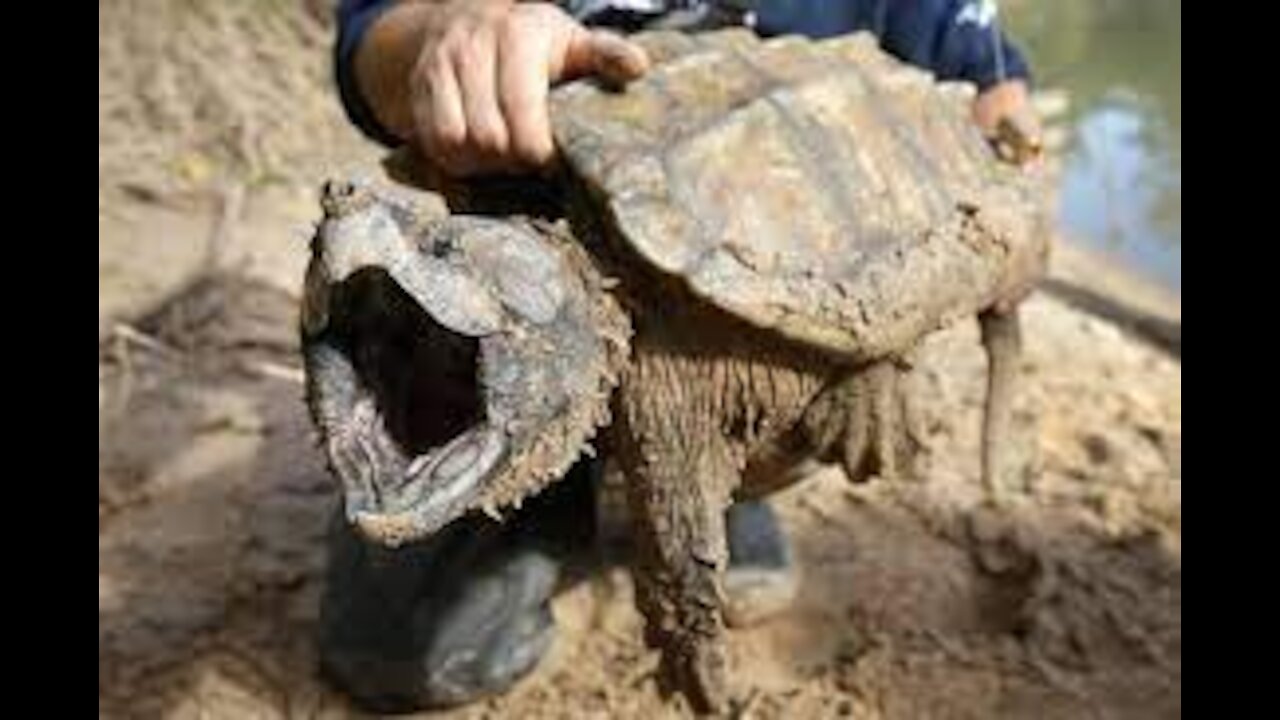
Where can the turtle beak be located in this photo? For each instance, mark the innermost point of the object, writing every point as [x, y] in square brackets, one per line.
[397, 399]
[451, 365]
[391, 342]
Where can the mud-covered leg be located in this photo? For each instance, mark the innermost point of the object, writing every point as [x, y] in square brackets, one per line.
[887, 438]
[1002, 339]
[859, 420]
[678, 488]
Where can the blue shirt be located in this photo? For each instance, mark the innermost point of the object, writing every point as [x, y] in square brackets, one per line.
[953, 39]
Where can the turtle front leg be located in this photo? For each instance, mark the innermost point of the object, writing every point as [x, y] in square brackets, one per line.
[1002, 339]
[679, 485]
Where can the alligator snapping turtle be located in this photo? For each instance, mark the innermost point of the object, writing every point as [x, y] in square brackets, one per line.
[741, 248]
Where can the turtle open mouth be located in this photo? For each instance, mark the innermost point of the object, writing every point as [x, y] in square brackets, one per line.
[452, 363]
[423, 378]
[412, 440]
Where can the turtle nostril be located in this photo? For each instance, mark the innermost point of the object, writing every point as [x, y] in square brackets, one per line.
[335, 196]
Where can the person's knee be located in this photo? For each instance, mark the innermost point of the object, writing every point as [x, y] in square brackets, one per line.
[440, 623]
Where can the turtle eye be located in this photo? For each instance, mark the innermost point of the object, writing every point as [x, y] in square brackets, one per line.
[443, 247]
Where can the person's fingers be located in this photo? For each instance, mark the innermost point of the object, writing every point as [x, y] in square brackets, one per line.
[475, 66]
[523, 84]
[438, 111]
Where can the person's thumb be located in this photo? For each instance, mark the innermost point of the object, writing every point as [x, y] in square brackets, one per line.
[603, 54]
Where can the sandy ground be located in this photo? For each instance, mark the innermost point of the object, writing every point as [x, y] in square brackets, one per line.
[915, 603]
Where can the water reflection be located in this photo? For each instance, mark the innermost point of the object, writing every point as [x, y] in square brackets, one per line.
[1121, 62]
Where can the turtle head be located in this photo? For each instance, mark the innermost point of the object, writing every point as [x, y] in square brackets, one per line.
[453, 363]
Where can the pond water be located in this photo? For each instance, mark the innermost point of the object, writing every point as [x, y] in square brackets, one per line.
[1120, 62]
